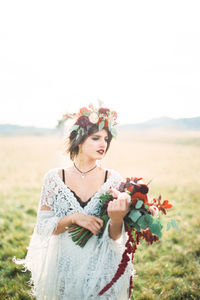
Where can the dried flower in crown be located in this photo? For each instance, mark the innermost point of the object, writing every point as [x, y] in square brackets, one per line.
[87, 117]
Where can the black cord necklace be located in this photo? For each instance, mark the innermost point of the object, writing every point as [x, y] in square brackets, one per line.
[83, 173]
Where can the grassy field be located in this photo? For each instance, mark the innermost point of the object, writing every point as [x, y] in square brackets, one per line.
[170, 269]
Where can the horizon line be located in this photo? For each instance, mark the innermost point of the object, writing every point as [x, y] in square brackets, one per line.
[121, 124]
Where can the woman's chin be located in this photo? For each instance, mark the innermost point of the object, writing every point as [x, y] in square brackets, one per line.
[100, 157]
[96, 157]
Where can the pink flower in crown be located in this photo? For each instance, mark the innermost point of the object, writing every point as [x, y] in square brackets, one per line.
[154, 210]
[93, 118]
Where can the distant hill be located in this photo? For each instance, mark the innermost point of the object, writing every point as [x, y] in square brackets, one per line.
[9, 129]
[165, 123]
[157, 123]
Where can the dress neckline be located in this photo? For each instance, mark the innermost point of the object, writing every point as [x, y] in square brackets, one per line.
[83, 203]
[73, 193]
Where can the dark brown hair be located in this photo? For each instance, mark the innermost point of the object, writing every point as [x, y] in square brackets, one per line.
[73, 142]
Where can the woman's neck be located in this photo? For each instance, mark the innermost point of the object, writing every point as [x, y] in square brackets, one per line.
[84, 164]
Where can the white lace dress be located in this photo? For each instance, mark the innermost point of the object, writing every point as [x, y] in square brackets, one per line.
[61, 270]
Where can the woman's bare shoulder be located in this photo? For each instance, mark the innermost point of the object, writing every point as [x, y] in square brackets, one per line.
[60, 172]
[67, 171]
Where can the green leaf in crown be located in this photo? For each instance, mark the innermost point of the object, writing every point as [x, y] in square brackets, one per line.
[74, 128]
[101, 125]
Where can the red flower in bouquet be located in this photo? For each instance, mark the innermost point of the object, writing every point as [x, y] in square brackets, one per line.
[139, 196]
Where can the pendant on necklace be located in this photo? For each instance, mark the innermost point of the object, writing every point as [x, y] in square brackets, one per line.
[83, 176]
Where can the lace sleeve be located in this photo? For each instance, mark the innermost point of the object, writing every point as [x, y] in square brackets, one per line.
[48, 191]
[47, 220]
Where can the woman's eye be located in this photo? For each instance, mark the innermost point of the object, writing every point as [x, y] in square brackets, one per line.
[97, 138]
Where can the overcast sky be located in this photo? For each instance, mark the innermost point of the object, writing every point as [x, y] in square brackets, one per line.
[142, 58]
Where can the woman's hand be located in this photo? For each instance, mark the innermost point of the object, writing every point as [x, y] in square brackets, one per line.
[118, 208]
[92, 223]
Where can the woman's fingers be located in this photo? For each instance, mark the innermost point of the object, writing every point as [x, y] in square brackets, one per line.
[94, 228]
[92, 223]
[99, 221]
[118, 204]
[95, 224]
[118, 208]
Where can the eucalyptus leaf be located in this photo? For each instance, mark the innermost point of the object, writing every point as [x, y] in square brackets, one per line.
[109, 125]
[75, 127]
[155, 228]
[137, 227]
[82, 131]
[134, 215]
[158, 221]
[142, 223]
[168, 226]
[86, 113]
[145, 220]
[139, 204]
[101, 125]
[114, 132]
[149, 219]
[174, 224]
[161, 222]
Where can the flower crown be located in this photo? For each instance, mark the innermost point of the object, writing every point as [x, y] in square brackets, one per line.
[87, 117]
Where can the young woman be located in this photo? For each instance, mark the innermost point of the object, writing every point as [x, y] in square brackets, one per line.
[61, 269]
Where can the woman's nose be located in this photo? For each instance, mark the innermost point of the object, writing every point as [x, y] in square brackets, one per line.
[103, 143]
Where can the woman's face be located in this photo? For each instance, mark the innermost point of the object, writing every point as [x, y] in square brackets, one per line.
[95, 145]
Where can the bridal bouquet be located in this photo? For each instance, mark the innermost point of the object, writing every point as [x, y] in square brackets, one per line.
[142, 221]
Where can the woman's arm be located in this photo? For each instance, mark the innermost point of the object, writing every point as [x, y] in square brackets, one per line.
[115, 230]
[92, 223]
[62, 224]
[117, 210]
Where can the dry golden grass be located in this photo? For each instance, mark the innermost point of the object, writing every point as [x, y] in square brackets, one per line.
[169, 157]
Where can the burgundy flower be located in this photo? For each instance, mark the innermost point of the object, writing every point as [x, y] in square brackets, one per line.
[137, 188]
[143, 188]
[122, 186]
[83, 121]
[133, 187]
[104, 111]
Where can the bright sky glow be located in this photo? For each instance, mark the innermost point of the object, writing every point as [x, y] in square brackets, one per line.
[140, 57]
